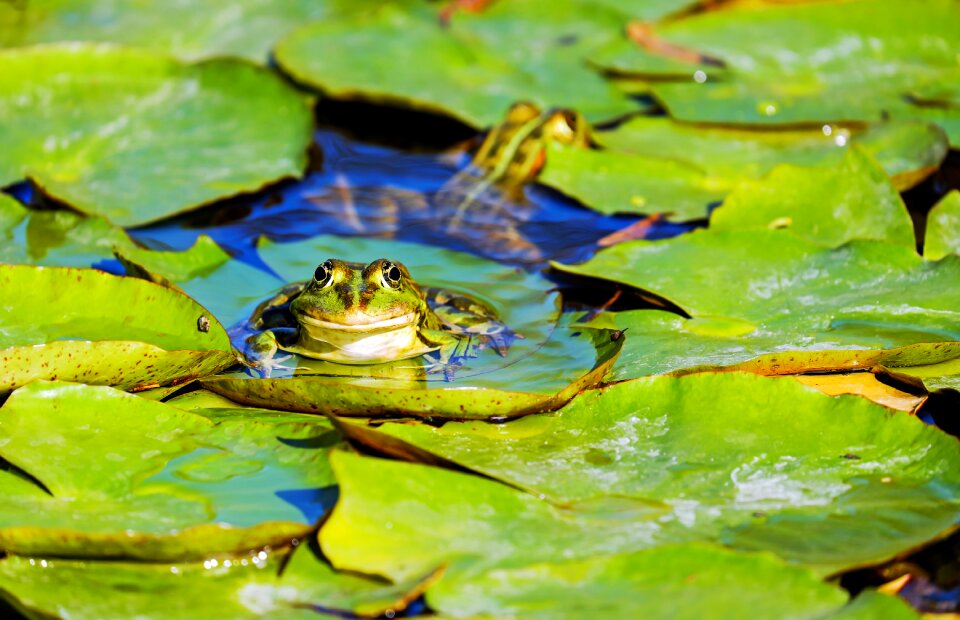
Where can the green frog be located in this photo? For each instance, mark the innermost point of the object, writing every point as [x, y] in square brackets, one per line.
[484, 203]
[351, 313]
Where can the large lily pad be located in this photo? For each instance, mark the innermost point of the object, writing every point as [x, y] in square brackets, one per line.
[814, 62]
[89, 326]
[625, 183]
[829, 482]
[943, 228]
[759, 292]
[164, 137]
[61, 238]
[853, 199]
[907, 151]
[542, 370]
[613, 181]
[64, 238]
[186, 29]
[688, 581]
[242, 588]
[527, 49]
[123, 476]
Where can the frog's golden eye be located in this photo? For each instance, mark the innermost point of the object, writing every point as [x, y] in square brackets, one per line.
[391, 275]
[324, 273]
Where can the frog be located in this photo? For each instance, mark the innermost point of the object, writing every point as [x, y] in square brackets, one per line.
[363, 314]
[484, 202]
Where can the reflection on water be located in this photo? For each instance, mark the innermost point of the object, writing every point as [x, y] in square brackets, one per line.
[374, 191]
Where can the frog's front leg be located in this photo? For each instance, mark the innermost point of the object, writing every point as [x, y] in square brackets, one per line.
[453, 350]
[260, 352]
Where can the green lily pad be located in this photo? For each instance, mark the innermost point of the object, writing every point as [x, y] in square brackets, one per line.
[241, 588]
[829, 482]
[123, 476]
[92, 327]
[948, 118]
[216, 407]
[852, 199]
[871, 604]
[247, 28]
[542, 370]
[197, 261]
[655, 165]
[165, 136]
[624, 183]
[523, 50]
[57, 238]
[63, 238]
[814, 62]
[907, 150]
[936, 374]
[686, 581]
[513, 395]
[758, 292]
[943, 228]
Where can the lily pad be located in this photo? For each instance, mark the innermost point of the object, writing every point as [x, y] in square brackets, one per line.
[814, 62]
[542, 370]
[248, 587]
[871, 604]
[655, 165]
[907, 150]
[687, 581]
[62, 238]
[247, 28]
[165, 136]
[123, 476]
[757, 292]
[522, 50]
[866, 384]
[611, 182]
[58, 238]
[92, 327]
[828, 482]
[948, 118]
[852, 199]
[197, 261]
[943, 228]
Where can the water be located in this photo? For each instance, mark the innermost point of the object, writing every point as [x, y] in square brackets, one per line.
[367, 190]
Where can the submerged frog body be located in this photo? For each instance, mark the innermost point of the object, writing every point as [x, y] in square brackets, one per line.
[351, 313]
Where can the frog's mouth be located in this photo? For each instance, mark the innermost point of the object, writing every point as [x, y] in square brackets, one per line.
[404, 320]
[375, 342]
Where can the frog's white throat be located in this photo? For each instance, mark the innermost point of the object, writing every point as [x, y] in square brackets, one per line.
[382, 341]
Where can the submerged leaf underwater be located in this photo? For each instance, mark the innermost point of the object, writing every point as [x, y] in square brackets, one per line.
[479, 308]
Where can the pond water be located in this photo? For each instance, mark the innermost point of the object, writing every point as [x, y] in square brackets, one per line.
[362, 189]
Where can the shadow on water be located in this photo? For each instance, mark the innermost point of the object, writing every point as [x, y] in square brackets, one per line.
[313, 503]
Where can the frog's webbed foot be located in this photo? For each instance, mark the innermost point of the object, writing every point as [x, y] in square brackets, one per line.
[497, 336]
[265, 367]
[260, 354]
[436, 364]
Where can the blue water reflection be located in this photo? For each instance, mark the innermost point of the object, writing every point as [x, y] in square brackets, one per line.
[359, 189]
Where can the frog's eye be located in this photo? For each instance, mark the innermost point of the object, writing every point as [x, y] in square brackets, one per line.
[391, 275]
[324, 273]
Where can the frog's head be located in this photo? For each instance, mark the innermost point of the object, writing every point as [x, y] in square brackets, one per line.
[354, 296]
[515, 151]
[361, 313]
[564, 126]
